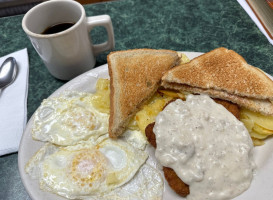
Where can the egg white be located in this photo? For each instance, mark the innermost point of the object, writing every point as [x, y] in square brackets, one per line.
[147, 184]
[135, 137]
[85, 169]
[80, 161]
[68, 119]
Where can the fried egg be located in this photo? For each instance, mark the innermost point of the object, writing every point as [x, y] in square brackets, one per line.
[85, 169]
[146, 185]
[135, 138]
[68, 119]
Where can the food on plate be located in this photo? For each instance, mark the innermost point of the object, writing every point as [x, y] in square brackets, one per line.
[171, 177]
[134, 77]
[146, 185]
[183, 58]
[223, 64]
[101, 98]
[150, 110]
[101, 101]
[199, 143]
[259, 126]
[224, 74]
[207, 147]
[96, 167]
[231, 107]
[68, 119]
[143, 117]
[85, 169]
[173, 180]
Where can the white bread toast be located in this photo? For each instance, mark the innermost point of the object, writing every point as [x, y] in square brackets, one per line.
[134, 77]
[224, 70]
[224, 74]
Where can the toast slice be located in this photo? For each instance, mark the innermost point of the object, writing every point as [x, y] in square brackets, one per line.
[223, 70]
[135, 76]
[224, 74]
[263, 106]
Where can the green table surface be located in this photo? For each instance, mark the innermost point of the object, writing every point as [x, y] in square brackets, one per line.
[189, 25]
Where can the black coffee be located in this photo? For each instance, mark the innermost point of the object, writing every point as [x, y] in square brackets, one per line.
[56, 28]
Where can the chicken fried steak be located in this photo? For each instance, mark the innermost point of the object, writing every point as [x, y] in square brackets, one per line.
[174, 181]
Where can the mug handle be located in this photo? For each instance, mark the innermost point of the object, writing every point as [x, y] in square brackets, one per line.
[105, 21]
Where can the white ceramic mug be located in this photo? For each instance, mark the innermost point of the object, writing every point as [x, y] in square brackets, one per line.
[70, 52]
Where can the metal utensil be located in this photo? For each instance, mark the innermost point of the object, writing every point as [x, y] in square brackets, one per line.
[8, 72]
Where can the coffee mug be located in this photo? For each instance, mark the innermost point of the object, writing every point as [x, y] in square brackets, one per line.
[59, 31]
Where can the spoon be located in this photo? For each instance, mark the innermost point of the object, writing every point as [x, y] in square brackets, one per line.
[8, 72]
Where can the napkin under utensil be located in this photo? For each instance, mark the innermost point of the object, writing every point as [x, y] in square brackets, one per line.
[254, 18]
[13, 105]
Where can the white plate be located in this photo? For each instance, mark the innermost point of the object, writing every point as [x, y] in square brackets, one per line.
[261, 187]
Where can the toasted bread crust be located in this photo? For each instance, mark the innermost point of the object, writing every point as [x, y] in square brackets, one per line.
[134, 77]
[223, 70]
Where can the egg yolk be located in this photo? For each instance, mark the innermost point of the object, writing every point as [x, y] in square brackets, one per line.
[77, 118]
[88, 167]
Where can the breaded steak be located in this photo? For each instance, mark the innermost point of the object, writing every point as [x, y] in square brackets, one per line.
[173, 180]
